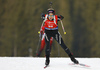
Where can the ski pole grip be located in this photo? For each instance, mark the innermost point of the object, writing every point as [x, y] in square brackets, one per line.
[38, 32]
[64, 32]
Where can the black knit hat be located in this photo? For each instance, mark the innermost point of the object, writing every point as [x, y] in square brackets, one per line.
[51, 10]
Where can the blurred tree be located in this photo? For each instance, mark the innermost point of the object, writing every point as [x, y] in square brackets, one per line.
[21, 20]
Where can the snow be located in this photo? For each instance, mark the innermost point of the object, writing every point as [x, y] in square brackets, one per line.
[35, 63]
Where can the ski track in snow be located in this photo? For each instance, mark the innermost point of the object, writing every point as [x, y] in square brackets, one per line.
[35, 63]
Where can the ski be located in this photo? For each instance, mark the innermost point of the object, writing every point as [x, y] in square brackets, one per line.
[46, 66]
[79, 64]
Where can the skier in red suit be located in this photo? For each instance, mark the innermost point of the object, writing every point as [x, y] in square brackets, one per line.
[50, 29]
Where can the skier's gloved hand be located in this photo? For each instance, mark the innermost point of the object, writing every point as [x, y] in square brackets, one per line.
[43, 16]
[60, 17]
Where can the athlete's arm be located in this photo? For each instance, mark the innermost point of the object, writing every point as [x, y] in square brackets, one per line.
[60, 17]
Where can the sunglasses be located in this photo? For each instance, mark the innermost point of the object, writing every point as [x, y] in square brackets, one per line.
[50, 15]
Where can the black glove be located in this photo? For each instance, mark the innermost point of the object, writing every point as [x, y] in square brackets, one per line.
[60, 17]
[42, 15]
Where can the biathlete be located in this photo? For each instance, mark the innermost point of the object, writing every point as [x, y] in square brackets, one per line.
[50, 29]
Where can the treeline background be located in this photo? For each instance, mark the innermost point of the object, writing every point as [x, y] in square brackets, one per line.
[20, 21]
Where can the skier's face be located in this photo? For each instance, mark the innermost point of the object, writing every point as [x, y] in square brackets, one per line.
[51, 16]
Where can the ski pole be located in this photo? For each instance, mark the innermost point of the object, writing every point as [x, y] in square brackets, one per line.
[39, 37]
[38, 45]
[62, 26]
[58, 50]
[41, 26]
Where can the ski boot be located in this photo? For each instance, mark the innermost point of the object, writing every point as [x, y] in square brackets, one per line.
[47, 60]
[73, 59]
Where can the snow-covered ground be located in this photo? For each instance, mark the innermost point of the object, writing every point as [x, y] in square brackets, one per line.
[33, 63]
